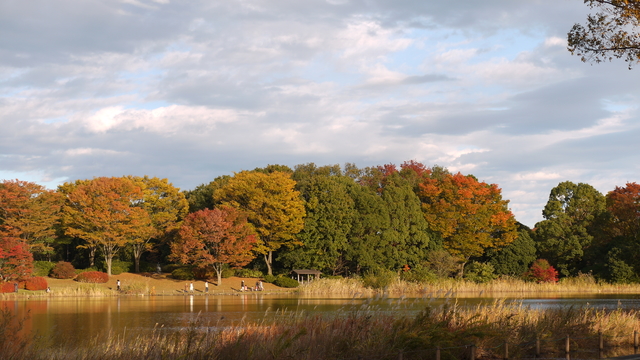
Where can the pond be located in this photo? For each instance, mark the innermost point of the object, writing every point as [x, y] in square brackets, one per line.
[78, 319]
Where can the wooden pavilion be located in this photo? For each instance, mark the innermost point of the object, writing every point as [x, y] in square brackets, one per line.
[311, 275]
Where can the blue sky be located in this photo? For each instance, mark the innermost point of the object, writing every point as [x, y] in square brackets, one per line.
[192, 90]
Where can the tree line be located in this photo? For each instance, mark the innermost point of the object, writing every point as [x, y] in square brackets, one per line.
[422, 222]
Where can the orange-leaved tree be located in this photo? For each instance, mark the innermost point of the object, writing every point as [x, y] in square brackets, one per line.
[166, 206]
[272, 206]
[624, 204]
[104, 214]
[214, 238]
[29, 212]
[469, 215]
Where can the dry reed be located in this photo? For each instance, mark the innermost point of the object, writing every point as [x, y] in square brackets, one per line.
[583, 284]
[364, 331]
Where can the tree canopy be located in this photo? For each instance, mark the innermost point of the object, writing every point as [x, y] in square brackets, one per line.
[213, 239]
[568, 226]
[469, 215]
[272, 206]
[610, 33]
[103, 213]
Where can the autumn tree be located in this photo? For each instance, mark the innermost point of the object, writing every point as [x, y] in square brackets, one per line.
[272, 206]
[16, 261]
[624, 205]
[620, 240]
[166, 207]
[29, 212]
[567, 230]
[470, 216]
[213, 239]
[104, 214]
[611, 33]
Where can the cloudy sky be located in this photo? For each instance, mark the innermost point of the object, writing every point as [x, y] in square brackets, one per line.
[190, 90]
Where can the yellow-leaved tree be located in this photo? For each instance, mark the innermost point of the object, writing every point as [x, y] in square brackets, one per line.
[271, 205]
[166, 206]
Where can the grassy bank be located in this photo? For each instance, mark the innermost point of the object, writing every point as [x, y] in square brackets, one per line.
[362, 332]
[140, 284]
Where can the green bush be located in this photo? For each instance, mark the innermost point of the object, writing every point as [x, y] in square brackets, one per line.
[269, 279]
[146, 267]
[118, 267]
[419, 274]
[42, 268]
[183, 273]
[248, 273]
[479, 272]
[63, 270]
[170, 267]
[285, 282]
[227, 273]
[379, 279]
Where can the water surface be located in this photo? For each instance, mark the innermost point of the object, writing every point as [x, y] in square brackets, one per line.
[79, 319]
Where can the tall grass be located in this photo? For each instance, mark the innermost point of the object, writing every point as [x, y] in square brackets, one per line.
[364, 331]
[508, 286]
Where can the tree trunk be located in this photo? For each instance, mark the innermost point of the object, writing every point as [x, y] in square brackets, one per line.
[219, 273]
[92, 256]
[267, 260]
[107, 260]
[137, 254]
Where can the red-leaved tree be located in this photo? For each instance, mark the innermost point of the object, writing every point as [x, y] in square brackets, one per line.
[213, 238]
[16, 261]
[542, 271]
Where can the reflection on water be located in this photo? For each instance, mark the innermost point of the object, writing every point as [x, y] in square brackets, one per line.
[79, 319]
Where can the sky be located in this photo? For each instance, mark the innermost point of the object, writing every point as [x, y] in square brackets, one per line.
[191, 90]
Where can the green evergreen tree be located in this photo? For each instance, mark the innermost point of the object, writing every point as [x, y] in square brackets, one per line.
[570, 220]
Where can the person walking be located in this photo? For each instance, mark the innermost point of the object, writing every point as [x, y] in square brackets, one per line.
[118, 284]
[242, 286]
[191, 287]
[206, 286]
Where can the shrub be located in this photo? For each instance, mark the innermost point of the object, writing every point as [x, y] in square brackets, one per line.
[42, 268]
[80, 271]
[248, 273]
[118, 267]
[379, 279]
[7, 287]
[183, 273]
[418, 274]
[170, 267]
[285, 282]
[479, 272]
[227, 273]
[63, 270]
[94, 277]
[269, 279]
[147, 267]
[202, 273]
[36, 283]
[542, 271]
